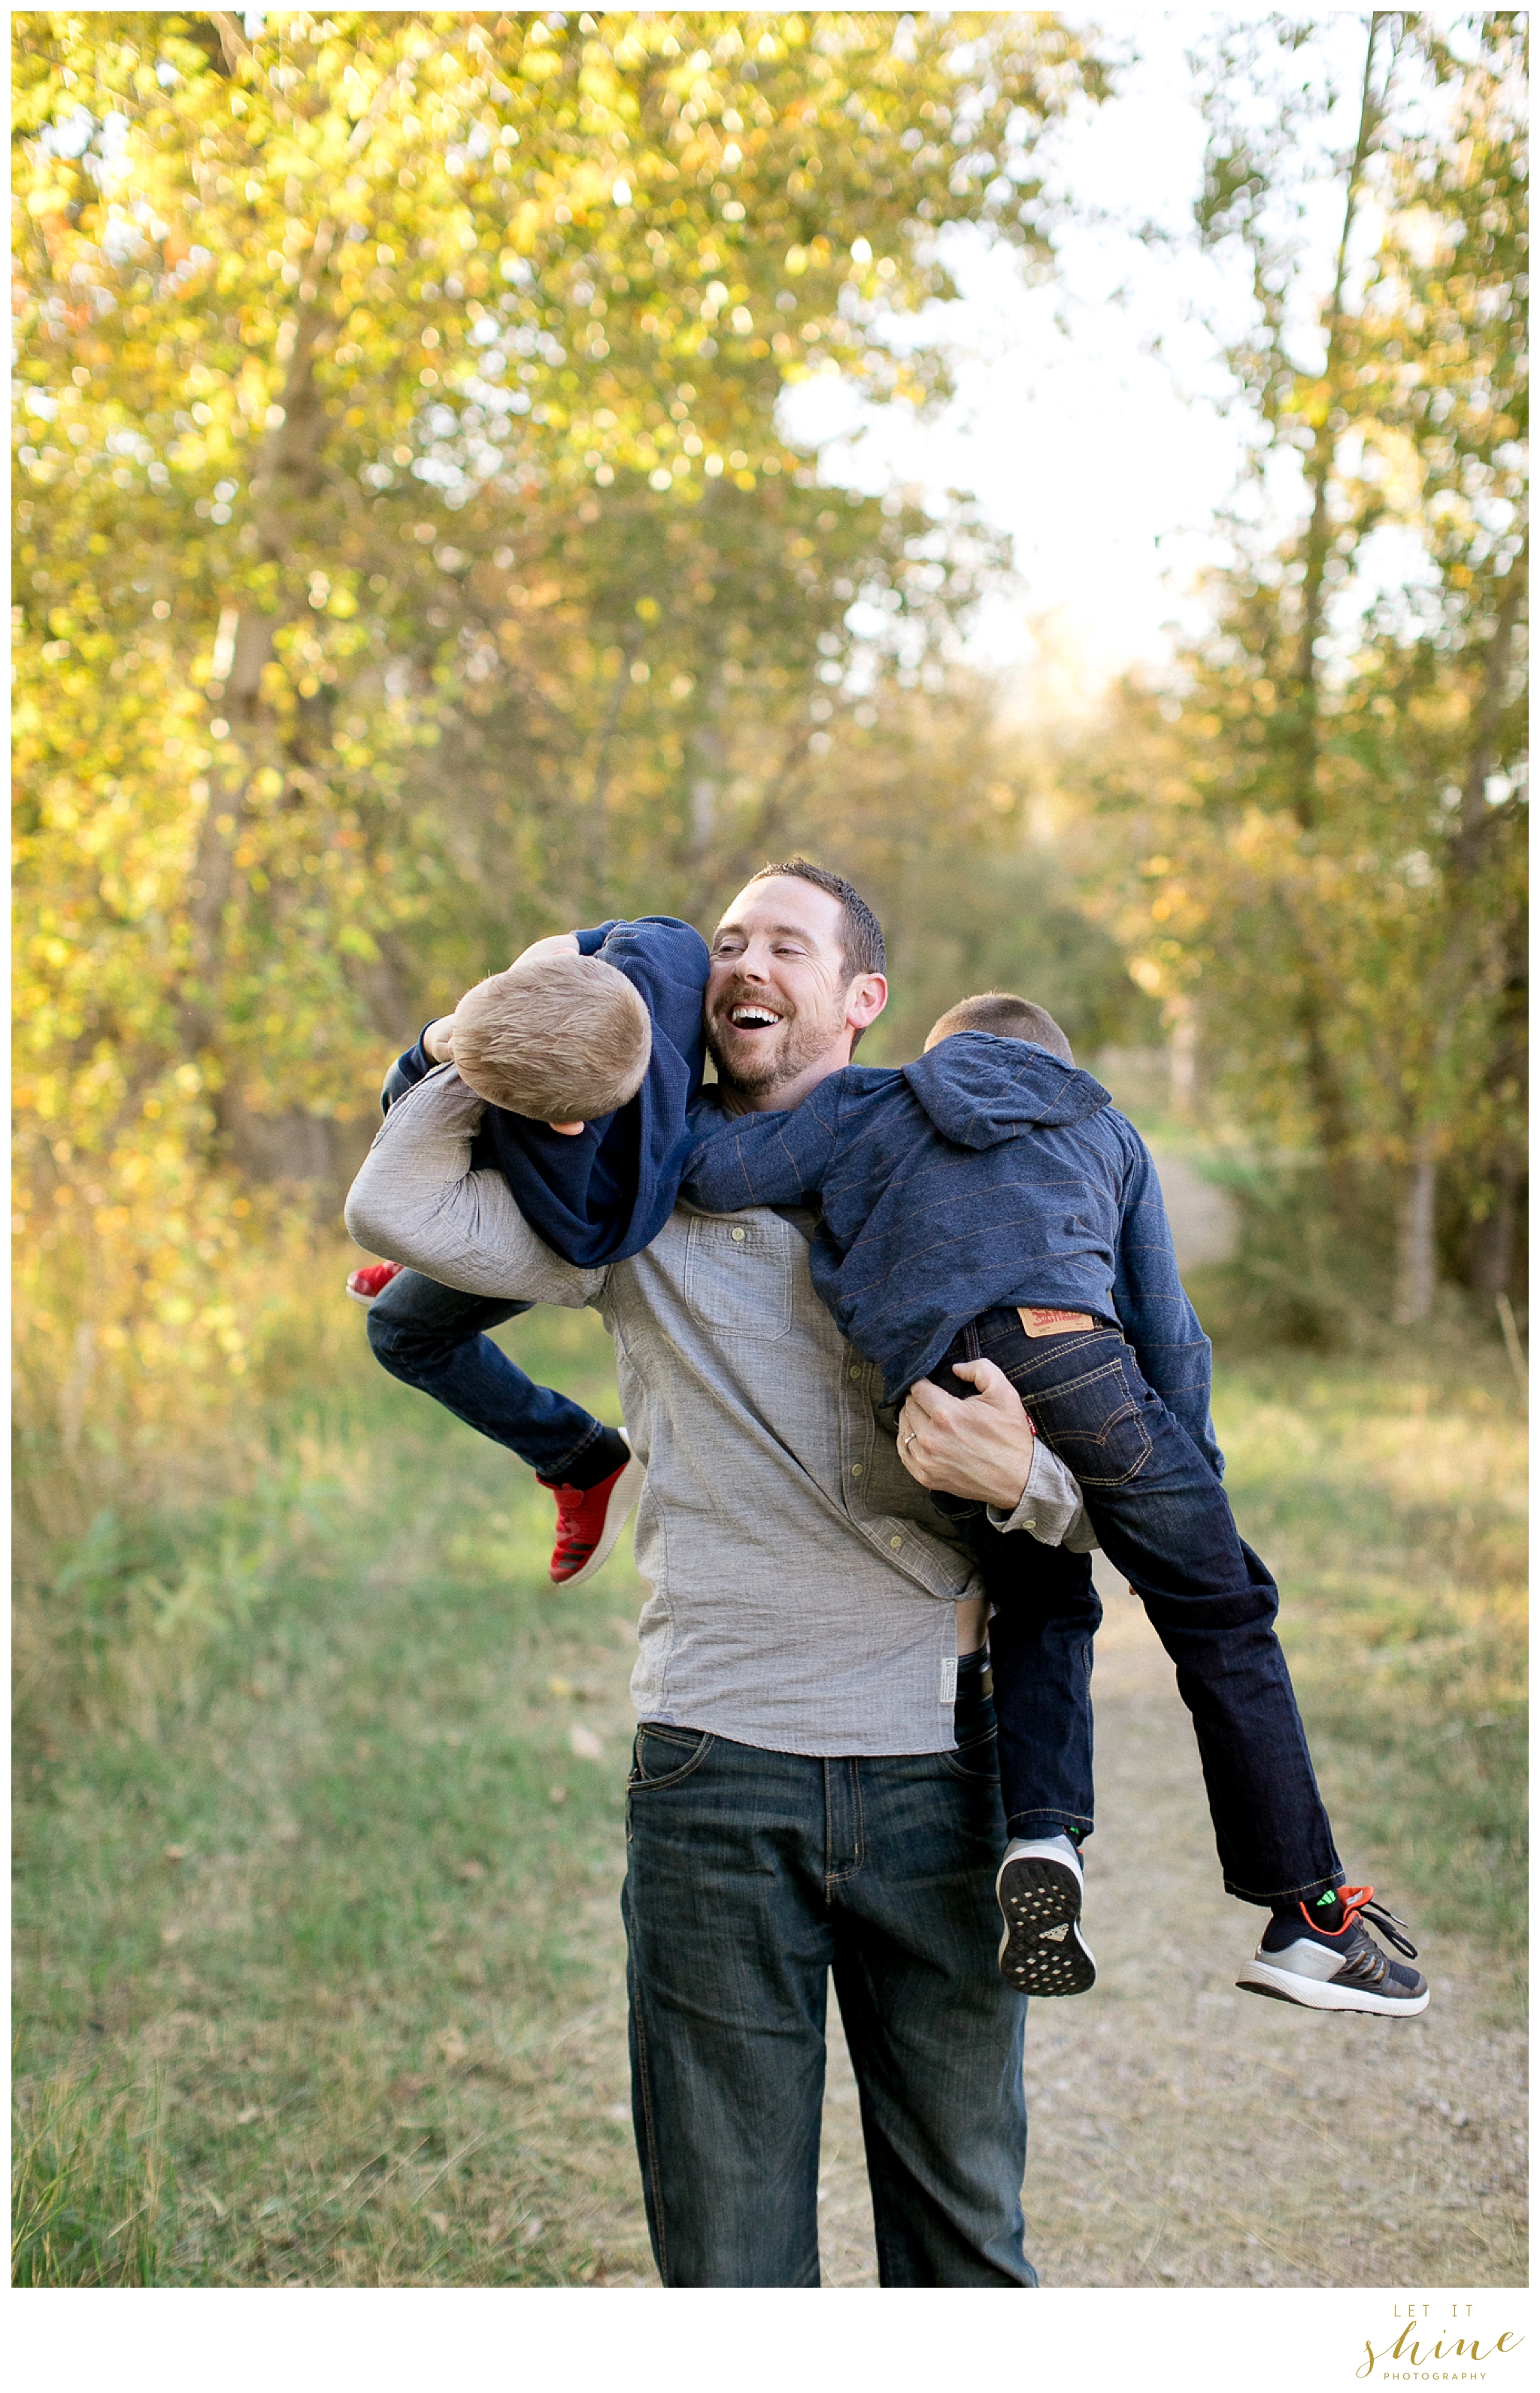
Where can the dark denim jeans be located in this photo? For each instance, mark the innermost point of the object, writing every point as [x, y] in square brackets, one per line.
[435, 1339]
[752, 1875]
[1164, 1522]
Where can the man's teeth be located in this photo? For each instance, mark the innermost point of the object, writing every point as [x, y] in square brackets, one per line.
[752, 1018]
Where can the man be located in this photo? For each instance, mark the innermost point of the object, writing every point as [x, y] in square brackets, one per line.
[798, 1800]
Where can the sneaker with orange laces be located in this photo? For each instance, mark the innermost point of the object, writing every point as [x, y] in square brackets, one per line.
[1321, 1955]
[367, 1282]
[589, 1522]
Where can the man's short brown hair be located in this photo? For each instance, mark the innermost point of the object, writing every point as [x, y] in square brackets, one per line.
[558, 1039]
[995, 1012]
[860, 934]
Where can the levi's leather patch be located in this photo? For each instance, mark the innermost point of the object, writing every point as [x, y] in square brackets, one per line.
[1039, 1321]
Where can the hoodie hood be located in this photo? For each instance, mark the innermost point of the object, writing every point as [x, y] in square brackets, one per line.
[980, 1091]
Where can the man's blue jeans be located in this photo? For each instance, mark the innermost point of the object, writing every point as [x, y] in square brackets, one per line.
[1164, 1522]
[750, 1875]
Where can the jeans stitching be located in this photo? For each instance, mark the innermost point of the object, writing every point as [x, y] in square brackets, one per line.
[595, 1431]
[639, 1786]
[1128, 1410]
[833, 1877]
[973, 1777]
[652, 2141]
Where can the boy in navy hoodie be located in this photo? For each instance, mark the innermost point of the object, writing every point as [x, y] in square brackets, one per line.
[588, 1051]
[989, 1205]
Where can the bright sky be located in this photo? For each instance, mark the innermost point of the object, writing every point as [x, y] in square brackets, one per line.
[1089, 426]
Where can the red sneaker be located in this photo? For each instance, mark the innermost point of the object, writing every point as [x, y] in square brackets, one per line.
[366, 1284]
[589, 1521]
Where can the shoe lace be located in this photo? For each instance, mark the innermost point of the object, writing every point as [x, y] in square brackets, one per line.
[1359, 1903]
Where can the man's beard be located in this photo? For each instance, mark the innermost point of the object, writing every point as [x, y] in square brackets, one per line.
[803, 1040]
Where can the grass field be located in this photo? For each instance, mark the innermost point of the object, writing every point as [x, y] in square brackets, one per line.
[320, 1812]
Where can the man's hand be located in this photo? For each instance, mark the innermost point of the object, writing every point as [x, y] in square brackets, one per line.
[981, 1448]
[438, 1039]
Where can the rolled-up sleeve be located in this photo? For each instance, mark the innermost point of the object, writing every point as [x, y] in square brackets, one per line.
[1051, 1509]
[418, 1201]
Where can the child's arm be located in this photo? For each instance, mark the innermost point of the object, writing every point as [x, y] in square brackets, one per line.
[667, 961]
[1153, 1311]
[418, 1199]
[764, 1159]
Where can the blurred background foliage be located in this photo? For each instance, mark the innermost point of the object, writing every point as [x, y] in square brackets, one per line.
[410, 561]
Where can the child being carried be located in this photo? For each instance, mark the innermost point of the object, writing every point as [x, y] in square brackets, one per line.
[588, 1051]
[986, 1211]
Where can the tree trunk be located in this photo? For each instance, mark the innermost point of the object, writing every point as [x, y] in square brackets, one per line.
[1327, 1096]
[1495, 1235]
[1415, 1257]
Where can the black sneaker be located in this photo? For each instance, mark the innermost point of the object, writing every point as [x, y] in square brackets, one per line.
[1038, 1888]
[1334, 1965]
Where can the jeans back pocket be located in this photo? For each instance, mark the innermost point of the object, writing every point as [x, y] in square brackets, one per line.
[1094, 1424]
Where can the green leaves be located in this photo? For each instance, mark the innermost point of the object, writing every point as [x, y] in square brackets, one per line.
[408, 558]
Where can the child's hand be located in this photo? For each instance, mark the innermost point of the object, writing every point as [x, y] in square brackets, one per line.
[438, 1039]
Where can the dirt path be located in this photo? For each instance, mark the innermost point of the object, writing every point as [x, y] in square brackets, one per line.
[1182, 2132]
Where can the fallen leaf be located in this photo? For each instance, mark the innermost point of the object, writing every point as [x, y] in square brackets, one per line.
[585, 1744]
[558, 1686]
[244, 2118]
[176, 1852]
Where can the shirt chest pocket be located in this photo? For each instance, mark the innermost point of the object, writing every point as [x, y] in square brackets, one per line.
[737, 1278]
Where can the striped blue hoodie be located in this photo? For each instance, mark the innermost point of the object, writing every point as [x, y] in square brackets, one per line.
[988, 1173]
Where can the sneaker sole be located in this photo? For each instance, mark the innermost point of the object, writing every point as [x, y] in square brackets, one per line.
[628, 1487]
[357, 1296]
[1319, 1994]
[1037, 1898]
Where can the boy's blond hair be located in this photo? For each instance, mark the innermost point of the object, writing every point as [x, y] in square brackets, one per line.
[1003, 1016]
[557, 1037]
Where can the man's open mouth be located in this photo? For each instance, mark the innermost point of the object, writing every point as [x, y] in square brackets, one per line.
[751, 1017]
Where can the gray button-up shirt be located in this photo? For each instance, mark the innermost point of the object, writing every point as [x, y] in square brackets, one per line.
[802, 1582]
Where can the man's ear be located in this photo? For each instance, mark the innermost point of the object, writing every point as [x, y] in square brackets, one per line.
[865, 1000]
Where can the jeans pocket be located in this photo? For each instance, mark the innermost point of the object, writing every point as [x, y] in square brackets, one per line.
[661, 1756]
[1094, 1425]
[978, 1759]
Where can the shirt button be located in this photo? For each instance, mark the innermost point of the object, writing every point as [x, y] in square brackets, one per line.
[856, 1469]
[1032, 1524]
[895, 1543]
[738, 1236]
[855, 1370]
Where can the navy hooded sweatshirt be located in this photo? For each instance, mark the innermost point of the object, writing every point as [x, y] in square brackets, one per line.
[605, 1193]
[988, 1173]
